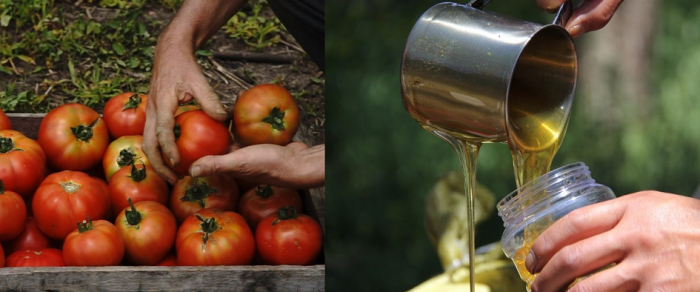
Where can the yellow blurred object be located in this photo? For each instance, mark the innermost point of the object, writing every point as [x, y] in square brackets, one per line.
[446, 214]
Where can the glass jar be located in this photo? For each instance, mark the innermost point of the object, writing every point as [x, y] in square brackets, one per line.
[529, 210]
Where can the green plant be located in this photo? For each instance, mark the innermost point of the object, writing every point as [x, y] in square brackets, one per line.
[255, 29]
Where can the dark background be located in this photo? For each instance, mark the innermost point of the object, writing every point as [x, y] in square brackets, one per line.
[635, 122]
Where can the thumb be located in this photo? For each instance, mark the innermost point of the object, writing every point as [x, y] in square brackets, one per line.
[209, 101]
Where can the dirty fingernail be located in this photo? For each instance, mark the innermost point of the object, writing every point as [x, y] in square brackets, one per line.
[530, 262]
[221, 112]
[196, 170]
[172, 161]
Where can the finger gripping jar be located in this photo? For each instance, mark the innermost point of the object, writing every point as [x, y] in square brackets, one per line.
[529, 210]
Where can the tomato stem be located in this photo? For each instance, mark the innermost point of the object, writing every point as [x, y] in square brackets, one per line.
[126, 157]
[134, 102]
[133, 217]
[69, 186]
[85, 225]
[285, 213]
[138, 174]
[208, 226]
[275, 119]
[264, 191]
[198, 192]
[7, 145]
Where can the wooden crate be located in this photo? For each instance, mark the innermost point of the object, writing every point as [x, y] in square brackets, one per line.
[131, 278]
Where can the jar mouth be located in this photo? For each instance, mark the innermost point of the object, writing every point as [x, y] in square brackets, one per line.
[538, 185]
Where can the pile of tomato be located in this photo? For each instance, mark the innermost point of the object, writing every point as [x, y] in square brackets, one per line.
[85, 194]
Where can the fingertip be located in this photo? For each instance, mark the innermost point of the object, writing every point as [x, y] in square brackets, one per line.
[550, 6]
[576, 30]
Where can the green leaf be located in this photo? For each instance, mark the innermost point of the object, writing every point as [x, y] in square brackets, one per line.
[5, 70]
[203, 53]
[26, 59]
[134, 62]
[121, 63]
[71, 70]
[118, 48]
[316, 80]
[5, 20]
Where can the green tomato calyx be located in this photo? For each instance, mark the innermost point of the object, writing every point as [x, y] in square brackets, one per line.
[285, 213]
[134, 102]
[133, 217]
[198, 192]
[126, 157]
[275, 119]
[83, 132]
[85, 225]
[177, 131]
[138, 174]
[7, 145]
[208, 226]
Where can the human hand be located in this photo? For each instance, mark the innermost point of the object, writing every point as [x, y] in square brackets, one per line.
[177, 78]
[591, 15]
[651, 237]
[292, 166]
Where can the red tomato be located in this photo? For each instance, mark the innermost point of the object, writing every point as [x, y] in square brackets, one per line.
[68, 197]
[122, 152]
[288, 238]
[148, 229]
[138, 182]
[31, 238]
[213, 237]
[168, 261]
[22, 163]
[13, 214]
[125, 114]
[265, 200]
[49, 257]
[190, 195]
[74, 137]
[266, 113]
[2, 257]
[5, 123]
[197, 135]
[94, 243]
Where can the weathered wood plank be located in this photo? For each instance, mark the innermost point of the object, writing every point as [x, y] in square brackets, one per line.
[27, 124]
[218, 278]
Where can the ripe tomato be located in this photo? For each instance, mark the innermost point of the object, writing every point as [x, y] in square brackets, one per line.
[266, 113]
[138, 182]
[94, 243]
[31, 238]
[213, 237]
[125, 114]
[265, 200]
[13, 214]
[74, 137]
[22, 163]
[148, 229]
[68, 197]
[122, 152]
[49, 257]
[5, 123]
[168, 261]
[197, 135]
[2, 258]
[288, 238]
[192, 194]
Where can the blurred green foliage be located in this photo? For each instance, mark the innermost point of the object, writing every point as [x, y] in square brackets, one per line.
[382, 164]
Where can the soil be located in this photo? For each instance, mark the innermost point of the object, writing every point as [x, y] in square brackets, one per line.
[301, 77]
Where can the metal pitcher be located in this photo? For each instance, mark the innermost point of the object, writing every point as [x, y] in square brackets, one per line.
[465, 70]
